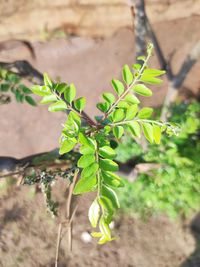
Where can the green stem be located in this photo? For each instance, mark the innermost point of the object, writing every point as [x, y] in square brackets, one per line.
[138, 120]
[128, 88]
[98, 176]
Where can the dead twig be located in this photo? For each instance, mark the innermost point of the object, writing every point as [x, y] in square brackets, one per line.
[68, 221]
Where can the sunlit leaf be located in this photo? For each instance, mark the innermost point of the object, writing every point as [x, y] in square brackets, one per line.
[40, 90]
[131, 112]
[148, 131]
[118, 131]
[118, 115]
[127, 75]
[134, 128]
[70, 93]
[150, 79]
[112, 179]
[80, 103]
[107, 152]
[86, 160]
[108, 165]
[141, 89]
[109, 97]
[85, 184]
[118, 87]
[67, 145]
[156, 133]
[94, 213]
[145, 113]
[57, 106]
[132, 99]
[48, 99]
[47, 80]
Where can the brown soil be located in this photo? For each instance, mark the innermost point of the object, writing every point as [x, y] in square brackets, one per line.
[28, 237]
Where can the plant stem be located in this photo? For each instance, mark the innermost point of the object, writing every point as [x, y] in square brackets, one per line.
[138, 120]
[129, 87]
[58, 243]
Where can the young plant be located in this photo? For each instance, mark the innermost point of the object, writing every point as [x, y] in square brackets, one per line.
[120, 113]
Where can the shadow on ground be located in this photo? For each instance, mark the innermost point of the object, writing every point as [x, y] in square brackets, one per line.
[194, 259]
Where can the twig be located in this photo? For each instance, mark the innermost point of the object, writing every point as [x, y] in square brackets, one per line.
[25, 69]
[58, 243]
[68, 210]
[68, 222]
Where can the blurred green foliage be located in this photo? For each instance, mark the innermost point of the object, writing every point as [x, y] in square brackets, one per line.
[174, 188]
[11, 84]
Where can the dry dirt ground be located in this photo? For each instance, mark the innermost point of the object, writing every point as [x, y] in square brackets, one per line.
[27, 232]
[28, 237]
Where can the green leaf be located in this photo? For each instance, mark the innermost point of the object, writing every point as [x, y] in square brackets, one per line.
[25, 89]
[96, 234]
[118, 131]
[108, 165]
[30, 100]
[150, 79]
[48, 99]
[154, 72]
[4, 87]
[67, 145]
[58, 106]
[127, 75]
[70, 93]
[118, 87]
[108, 97]
[61, 87]
[123, 104]
[148, 131]
[145, 113]
[136, 66]
[141, 89]
[107, 152]
[110, 193]
[94, 213]
[74, 118]
[134, 128]
[87, 141]
[132, 99]
[47, 80]
[143, 58]
[91, 170]
[103, 106]
[80, 103]
[86, 160]
[85, 184]
[156, 133]
[131, 112]
[40, 90]
[85, 150]
[111, 179]
[118, 115]
[104, 228]
[107, 208]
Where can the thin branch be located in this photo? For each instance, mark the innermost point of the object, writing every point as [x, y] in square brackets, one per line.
[25, 69]
[68, 221]
[128, 88]
[58, 243]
